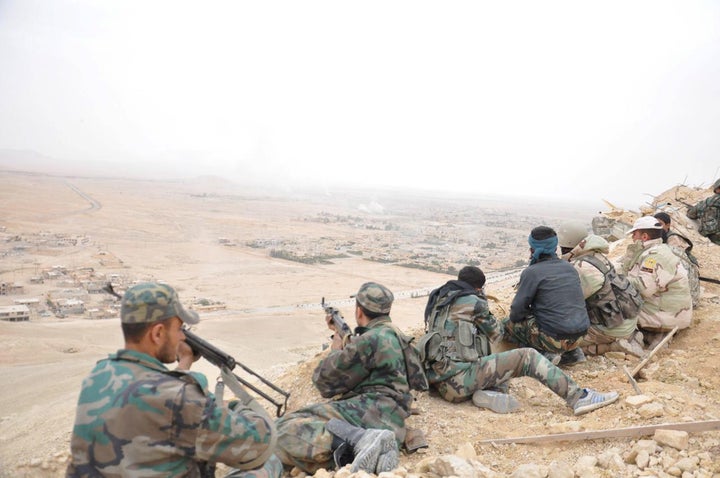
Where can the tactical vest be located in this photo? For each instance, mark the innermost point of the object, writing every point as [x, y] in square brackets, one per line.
[442, 342]
[616, 300]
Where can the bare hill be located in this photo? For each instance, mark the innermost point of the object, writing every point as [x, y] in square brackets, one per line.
[272, 321]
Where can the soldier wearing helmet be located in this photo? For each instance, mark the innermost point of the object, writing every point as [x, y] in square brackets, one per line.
[586, 252]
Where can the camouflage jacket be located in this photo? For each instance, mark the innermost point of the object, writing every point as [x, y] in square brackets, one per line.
[658, 274]
[371, 364]
[707, 213]
[467, 331]
[137, 418]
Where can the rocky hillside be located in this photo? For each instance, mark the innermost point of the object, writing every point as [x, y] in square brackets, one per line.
[680, 384]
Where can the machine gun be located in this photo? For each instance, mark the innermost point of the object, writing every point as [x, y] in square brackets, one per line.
[341, 327]
[226, 363]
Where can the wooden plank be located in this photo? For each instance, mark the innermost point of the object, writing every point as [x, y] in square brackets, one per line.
[644, 430]
[633, 382]
[654, 351]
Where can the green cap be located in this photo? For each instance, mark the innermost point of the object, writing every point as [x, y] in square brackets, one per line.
[153, 302]
[375, 297]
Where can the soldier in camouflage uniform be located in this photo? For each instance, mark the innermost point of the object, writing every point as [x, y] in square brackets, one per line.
[577, 246]
[135, 417]
[707, 213]
[682, 247]
[548, 311]
[459, 367]
[658, 274]
[367, 422]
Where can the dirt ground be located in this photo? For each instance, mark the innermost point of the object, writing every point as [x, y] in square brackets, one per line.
[274, 325]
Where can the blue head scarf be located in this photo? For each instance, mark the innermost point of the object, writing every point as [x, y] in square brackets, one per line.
[542, 246]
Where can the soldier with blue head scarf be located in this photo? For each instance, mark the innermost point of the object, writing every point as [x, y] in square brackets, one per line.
[135, 417]
[548, 311]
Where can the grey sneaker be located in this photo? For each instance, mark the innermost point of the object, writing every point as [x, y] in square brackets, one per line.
[592, 400]
[373, 445]
[496, 401]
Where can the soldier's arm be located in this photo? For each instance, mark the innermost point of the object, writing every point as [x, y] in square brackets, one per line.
[485, 321]
[238, 436]
[342, 370]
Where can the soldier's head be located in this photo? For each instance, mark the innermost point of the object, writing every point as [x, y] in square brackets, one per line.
[373, 300]
[543, 242]
[570, 234]
[153, 311]
[664, 219]
[645, 229]
[716, 187]
[473, 276]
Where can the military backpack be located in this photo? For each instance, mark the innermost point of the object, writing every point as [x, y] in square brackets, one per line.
[617, 299]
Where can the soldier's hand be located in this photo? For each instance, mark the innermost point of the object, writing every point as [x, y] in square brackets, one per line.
[337, 342]
[330, 323]
[186, 356]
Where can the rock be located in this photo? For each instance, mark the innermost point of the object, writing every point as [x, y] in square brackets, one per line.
[642, 459]
[675, 438]
[611, 460]
[466, 451]
[688, 463]
[447, 465]
[674, 471]
[530, 470]
[560, 470]
[322, 473]
[615, 355]
[566, 427]
[585, 466]
[651, 410]
[636, 401]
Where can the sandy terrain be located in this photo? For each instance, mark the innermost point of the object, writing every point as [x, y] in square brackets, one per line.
[273, 323]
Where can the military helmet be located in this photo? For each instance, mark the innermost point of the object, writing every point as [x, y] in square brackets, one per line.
[571, 233]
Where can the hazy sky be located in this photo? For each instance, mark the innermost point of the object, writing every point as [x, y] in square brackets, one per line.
[611, 99]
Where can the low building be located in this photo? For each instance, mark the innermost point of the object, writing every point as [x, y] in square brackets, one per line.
[14, 313]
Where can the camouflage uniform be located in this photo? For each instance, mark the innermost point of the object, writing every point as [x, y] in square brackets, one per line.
[599, 337]
[137, 418]
[370, 376]
[679, 246]
[706, 213]
[658, 274]
[456, 375]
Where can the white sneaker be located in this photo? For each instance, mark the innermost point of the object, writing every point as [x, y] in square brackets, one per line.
[592, 400]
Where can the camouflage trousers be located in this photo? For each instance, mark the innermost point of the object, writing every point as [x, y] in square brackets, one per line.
[304, 442]
[273, 468]
[496, 369]
[527, 334]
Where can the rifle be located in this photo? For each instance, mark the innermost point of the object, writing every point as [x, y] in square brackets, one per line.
[341, 327]
[225, 362]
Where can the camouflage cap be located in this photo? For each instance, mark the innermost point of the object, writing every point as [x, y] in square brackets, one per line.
[375, 297]
[716, 184]
[152, 302]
